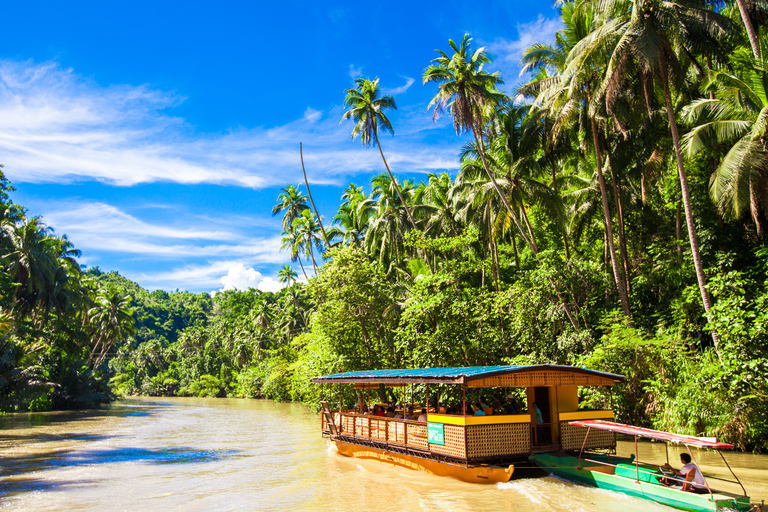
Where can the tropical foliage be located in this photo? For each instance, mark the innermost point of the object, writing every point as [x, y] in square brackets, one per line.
[608, 212]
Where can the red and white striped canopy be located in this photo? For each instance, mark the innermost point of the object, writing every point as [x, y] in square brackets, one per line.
[701, 442]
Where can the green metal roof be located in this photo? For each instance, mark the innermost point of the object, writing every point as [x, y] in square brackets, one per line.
[457, 375]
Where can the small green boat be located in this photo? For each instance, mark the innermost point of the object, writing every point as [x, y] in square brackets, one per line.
[629, 476]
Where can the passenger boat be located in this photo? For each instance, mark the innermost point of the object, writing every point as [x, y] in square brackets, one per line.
[631, 476]
[472, 448]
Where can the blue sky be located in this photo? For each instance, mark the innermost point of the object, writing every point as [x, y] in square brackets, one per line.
[157, 135]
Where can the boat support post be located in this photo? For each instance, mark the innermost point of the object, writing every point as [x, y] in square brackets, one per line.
[711, 497]
[734, 474]
[637, 461]
[582, 447]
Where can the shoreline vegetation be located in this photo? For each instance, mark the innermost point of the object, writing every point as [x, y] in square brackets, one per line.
[610, 214]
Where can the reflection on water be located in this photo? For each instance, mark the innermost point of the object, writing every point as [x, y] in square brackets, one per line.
[220, 454]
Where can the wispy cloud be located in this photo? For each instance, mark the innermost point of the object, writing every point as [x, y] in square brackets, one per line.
[508, 53]
[58, 127]
[355, 72]
[102, 228]
[399, 90]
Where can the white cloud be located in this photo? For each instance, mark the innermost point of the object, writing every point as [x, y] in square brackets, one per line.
[103, 228]
[508, 53]
[240, 278]
[270, 285]
[58, 127]
[399, 90]
[312, 115]
[355, 72]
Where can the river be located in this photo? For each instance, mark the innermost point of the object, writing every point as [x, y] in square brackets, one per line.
[188, 454]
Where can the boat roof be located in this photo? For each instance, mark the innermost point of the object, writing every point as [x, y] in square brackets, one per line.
[458, 375]
[701, 442]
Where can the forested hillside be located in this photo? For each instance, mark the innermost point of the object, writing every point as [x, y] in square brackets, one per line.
[611, 213]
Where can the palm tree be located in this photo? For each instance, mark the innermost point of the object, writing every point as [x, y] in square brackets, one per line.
[30, 260]
[648, 32]
[467, 90]
[287, 275]
[736, 115]
[366, 108]
[308, 231]
[572, 92]
[293, 242]
[292, 202]
[112, 318]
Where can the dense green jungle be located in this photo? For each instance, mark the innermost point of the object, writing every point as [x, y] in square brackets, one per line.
[611, 214]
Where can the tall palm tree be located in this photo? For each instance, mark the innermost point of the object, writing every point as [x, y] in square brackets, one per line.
[736, 115]
[308, 232]
[467, 90]
[573, 92]
[287, 275]
[292, 202]
[112, 318]
[30, 259]
[366, 108]
[649, 32]
[292, 241]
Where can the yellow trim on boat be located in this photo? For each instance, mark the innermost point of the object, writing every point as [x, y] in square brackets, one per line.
[586, 415]
[471, 474]
[479, 420]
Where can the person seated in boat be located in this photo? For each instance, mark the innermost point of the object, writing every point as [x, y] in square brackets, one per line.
[423, 416]
[690, 482]
[512, 407]
[390, 412]
[408, 413]
[484, 403]
[478, 409]
[380, 411]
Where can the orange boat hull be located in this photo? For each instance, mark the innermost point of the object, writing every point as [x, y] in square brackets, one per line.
[472, 474]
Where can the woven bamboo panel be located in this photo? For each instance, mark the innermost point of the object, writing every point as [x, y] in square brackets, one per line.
[454, 442]
[348, 424]
[417, 435]
[498, 440]
[572, 437]
[396, 432]
[540, 378]
[361, 426]
[379, 429]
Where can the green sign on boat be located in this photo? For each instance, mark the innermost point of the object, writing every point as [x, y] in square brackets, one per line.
[435, 433]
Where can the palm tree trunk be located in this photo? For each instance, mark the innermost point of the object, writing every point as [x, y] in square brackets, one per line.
[501, 194]
[397, 188]
[679, 232]
[753, 39]
[608, 228]
[317, 214]
[622, 238]
[565, 236]
[692, 238]
[302, 269]
[400, 195]
[528, 224]
[517, 257]
[754, 206]
[312, 255]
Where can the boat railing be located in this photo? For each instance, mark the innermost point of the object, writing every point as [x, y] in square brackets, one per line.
[397, 431]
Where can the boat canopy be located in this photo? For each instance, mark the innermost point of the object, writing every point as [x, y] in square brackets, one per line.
[479, 376]
[701, 442]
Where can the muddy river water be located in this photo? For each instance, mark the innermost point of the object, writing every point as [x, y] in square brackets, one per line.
[227, 454]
